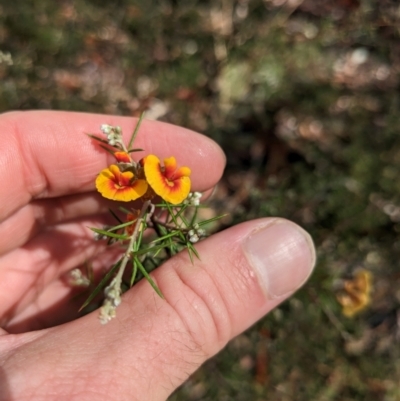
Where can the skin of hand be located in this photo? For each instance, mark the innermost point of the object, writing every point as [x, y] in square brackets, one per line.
[47, 203]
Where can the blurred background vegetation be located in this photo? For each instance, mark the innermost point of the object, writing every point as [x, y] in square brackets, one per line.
[303, 95]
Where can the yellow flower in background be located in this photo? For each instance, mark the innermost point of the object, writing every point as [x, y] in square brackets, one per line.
[114, 184]
[356, 294]
[168, 182]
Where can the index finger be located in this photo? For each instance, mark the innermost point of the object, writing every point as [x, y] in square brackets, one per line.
[48, 154]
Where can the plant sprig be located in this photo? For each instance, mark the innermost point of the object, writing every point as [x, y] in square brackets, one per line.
[160, 200]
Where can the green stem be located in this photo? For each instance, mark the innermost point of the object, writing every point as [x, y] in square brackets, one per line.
[133, 137]
[127, 255]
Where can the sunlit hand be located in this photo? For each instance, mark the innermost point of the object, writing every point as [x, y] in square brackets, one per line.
[47, 203]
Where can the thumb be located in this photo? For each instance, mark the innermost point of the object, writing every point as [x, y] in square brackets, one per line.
[154, 345]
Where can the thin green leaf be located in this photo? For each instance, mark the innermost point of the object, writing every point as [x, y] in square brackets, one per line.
[138, 242]
[149, 249]
[97, 138]
[157, 253]
[135, 131]
[122, 225]
[166, 205]
[115, 216]
[100, 286]
[134, 272]
[171, 214]
[193, 249]
[163, 230]
[182, 237]
[107, 150]
[108, 234]
[148, 278]
[190, 255]
[135, 150]
[166, 236]
[204, 222]
[126, 211]
[181, 210]
[171, 246]
[162, 205]
[179, 214]
[194, 217]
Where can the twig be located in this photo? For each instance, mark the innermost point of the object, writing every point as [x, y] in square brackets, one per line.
[128, 252]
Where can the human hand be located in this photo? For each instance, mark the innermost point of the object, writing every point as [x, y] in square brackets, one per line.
[47, 201]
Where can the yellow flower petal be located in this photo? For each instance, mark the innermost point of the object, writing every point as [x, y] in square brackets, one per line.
[120, 186]
[356, 295]
[169, 183]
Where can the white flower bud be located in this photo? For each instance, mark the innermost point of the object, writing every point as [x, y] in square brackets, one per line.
[105, 129]
[107, 312]
[201, 232]
[193, 199]
[77, 279]
[194, 238]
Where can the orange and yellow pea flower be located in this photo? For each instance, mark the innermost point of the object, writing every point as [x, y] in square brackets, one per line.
[168, 182]
[122, 157]
[356, 294]
[114, 184]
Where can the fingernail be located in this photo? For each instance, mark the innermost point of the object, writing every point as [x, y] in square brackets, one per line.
[282, 255]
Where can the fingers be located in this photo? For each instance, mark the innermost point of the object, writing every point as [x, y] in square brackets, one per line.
[59, 301]
[154, 345]
[48, 154]
[26, 271]
[30, 219]
[26, 222]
